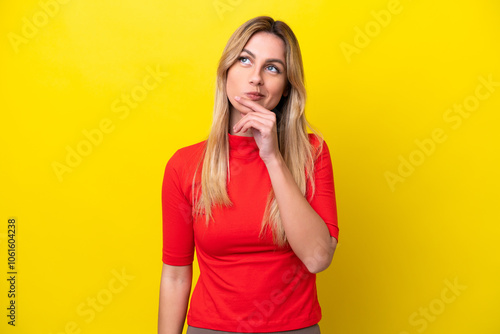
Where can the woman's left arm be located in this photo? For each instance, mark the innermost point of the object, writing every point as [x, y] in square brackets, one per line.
[306, 231]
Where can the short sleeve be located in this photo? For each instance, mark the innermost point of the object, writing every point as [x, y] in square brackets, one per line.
[178, 235]
[323, 201]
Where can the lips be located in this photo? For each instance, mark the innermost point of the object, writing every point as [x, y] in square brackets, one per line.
[254, 96]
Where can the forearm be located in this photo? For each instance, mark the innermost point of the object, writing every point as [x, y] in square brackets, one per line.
[174, 298]
[305, 230]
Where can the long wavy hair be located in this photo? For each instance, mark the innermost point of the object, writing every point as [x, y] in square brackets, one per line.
[298, 153]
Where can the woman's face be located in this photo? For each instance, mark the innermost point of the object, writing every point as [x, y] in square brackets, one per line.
[259, 74]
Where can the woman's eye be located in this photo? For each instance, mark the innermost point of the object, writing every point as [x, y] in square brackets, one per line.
[273, 68]
[244, 60]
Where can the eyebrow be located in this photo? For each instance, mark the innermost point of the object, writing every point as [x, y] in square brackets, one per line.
[271, 60]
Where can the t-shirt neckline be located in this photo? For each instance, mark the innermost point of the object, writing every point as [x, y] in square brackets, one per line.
[242, 147]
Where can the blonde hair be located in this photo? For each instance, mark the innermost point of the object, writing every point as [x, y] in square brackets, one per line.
[298, 153]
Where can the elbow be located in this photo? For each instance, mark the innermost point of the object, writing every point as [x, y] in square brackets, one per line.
[321, 258]
[319, 266]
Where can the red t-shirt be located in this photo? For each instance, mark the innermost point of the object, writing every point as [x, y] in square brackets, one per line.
[246, 284]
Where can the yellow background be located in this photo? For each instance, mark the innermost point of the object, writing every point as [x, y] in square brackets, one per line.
[401, 244]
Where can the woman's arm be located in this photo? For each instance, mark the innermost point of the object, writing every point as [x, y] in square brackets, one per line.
[175, 287]
[305, 230]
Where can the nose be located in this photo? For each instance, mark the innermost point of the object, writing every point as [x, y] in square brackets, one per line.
[256, 77]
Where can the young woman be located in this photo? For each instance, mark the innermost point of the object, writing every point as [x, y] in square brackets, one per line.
[256, 199]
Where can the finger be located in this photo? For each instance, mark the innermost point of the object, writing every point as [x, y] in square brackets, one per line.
[264, 126]
[271, 117]
[252, 105]
[268, 120]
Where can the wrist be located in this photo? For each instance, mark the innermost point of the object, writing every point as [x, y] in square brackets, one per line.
[274, 161]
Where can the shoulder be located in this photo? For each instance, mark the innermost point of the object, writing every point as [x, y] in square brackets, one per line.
[314, 139]
[187, 154]
[184, 162]
[318, 145]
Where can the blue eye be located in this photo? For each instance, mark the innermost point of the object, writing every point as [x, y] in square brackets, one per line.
[242, 60]
[276, 70]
